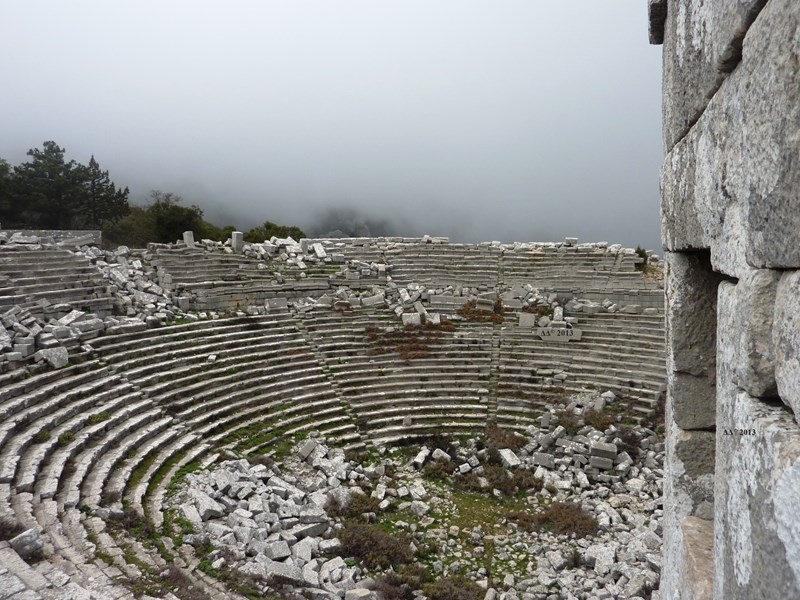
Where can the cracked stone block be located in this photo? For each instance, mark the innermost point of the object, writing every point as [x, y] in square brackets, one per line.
[786, 340]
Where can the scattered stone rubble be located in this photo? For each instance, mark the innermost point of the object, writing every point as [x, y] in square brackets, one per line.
[142, 297]
[270, 522]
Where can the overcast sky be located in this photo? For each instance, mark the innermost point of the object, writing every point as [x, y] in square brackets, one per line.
[508, 120]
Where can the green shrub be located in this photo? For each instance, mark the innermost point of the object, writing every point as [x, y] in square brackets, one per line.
[599, 420]
[357, 506]
[629, 442]
[440, 469]
[524, 480]
[41, 436]
[499, 479]
[569, 421]
[65, 438]
[564, 518]
[98, 418]
[9, 527]
[400, 584]
[453, 587]
[503, 438]
[468, 483]
[374, 547]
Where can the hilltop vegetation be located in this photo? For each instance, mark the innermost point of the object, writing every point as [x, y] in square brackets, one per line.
[49, 192]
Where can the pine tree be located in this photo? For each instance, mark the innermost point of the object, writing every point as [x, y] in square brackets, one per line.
[47, 189]
[103, 203]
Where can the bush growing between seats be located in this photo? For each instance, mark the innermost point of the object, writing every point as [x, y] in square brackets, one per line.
[411, 341]
[9, 528]
[357, 506]
[375, 548]
[560, 518]
[471, 312]
[453, 587]
[599, 420]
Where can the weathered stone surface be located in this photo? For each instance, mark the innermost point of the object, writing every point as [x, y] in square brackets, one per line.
[600, 557]
[742, 153]
[691, 294]
[753, 304]
[188, 239]
[208, 507]
[277, 550]
[657, 15]
[508, 457]
[702, 42]
[603, 449]
[237, 241]
[55, 357]
[786, 340]
[757, 534]
[27, 544]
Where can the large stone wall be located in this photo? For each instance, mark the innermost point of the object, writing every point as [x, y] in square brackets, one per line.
[731, 228]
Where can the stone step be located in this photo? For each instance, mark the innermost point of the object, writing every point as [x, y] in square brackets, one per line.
[70, 418]
[69, 494]
[49, 472]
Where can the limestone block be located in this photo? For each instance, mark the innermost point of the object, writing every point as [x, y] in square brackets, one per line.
[413, 319]
[56, 357]
[279, 572]
[508, 458]
[207, 506]
[702, 42]
[697, 564]
[598, 462]
[786, 340]
[753, 305]
[691, 295]
[603, 449]
[657, 15]
[188, 239]
[600, 557]
[277, 550]
[544, 459]
[27, 544]
[421, 457]
[756, 530]
[730, 184]
[237, 241]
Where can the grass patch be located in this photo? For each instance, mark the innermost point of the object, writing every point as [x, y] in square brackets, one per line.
[41, 436]
[98, 418]
[65, 438]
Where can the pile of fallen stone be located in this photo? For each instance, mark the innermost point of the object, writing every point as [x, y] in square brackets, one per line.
[272, 527]
[270, 522]
[133, 285]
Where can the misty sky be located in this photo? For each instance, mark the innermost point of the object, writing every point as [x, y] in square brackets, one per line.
[510, 120]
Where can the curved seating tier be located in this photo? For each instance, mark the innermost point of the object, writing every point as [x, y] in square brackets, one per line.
[618, 352]
[447, 386]
[216, 280]
[573, 268]
[464, 265]
[111, 432]
[35, 279]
